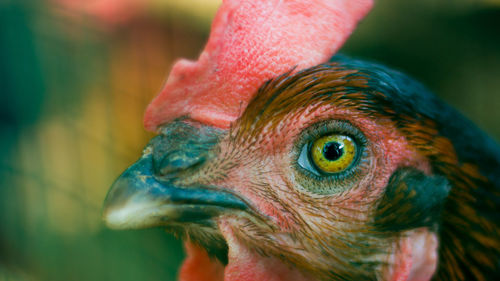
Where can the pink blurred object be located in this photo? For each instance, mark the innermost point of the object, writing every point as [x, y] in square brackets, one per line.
[252, 41]
[108, 12]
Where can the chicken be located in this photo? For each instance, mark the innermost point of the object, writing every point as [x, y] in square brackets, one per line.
[287, 167]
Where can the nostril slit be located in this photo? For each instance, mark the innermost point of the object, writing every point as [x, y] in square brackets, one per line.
[172, 164]
[182, 147]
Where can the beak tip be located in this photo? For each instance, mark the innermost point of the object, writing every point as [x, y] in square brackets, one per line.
[136, 213]
[113, 219]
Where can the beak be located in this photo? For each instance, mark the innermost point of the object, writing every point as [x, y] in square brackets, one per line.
[139, 199]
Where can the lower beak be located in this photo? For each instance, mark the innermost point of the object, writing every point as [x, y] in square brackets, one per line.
[138, 199]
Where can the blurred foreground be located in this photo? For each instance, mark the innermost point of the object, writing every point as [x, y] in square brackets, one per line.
[75, 77]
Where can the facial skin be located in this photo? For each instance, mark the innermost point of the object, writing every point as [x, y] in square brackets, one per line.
[331, 229]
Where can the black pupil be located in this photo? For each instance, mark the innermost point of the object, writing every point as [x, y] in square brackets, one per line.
[333, 151]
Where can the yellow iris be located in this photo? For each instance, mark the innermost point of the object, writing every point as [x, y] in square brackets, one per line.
[334, 153]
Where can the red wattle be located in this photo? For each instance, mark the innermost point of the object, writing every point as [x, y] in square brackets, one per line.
[198, 266]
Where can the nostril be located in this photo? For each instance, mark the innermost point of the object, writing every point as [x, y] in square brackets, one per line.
[175, 162]
[182, 147]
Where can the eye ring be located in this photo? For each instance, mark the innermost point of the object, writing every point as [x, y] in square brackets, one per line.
[334, 153]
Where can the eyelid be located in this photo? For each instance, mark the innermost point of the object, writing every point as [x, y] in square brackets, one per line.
[305, 162]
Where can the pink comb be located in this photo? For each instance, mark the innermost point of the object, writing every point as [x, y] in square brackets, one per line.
[252, 41]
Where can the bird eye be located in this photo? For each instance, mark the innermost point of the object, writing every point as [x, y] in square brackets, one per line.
[330, 156]
[333, 153]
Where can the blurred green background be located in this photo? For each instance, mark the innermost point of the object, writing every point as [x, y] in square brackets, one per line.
[76, 76]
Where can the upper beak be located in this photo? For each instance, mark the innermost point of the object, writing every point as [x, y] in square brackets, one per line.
[139, 199]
